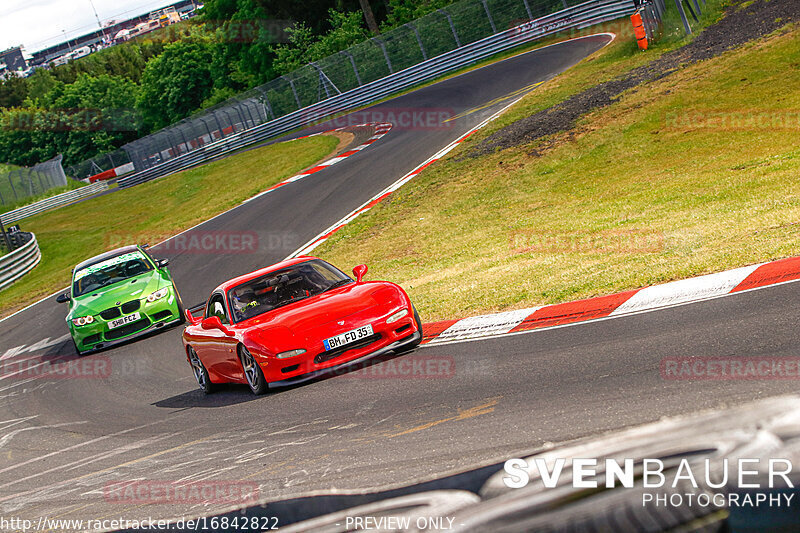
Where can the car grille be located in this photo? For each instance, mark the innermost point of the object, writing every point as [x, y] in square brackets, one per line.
[114, 312]
[111, 314]
[161, 315]
[124, 331]
[130, 307]
[327, 356]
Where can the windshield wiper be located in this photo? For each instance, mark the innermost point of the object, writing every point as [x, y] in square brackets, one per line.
[338, 284]
[287, 302]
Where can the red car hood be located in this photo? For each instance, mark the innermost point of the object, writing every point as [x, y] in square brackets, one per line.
[308, 314]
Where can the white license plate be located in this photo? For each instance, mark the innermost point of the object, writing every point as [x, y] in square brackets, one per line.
[124, 320]
[348, 337]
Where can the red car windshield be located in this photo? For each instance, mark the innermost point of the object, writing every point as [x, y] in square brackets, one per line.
[283, 287]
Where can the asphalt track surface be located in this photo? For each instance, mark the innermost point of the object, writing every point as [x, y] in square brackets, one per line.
[142, 417]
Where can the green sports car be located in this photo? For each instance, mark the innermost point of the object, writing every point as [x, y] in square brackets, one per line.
[119, 295]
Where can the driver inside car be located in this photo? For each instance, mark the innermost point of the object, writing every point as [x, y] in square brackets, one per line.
[243, 302]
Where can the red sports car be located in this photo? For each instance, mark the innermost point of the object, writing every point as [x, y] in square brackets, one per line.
[293, 321]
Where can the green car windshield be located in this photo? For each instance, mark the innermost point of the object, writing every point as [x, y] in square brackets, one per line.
[108, 272]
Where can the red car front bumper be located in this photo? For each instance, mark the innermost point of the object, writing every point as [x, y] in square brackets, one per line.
[315, 362]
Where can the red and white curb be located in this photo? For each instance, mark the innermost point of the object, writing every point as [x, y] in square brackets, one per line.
[378, 198]
[381, 129]
[621, 304]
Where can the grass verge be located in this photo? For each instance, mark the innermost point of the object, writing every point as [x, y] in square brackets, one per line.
[158, 209]
[692, 174]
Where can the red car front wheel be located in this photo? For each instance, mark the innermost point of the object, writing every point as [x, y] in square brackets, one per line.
[252, 371]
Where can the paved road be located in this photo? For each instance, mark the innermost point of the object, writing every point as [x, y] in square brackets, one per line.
[137, 413]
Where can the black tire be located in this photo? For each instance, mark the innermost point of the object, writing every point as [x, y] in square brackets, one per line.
[252, 372]
[200, 372]
[411, 346]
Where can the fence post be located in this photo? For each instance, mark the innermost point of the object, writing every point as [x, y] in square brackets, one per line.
[528, 9]
[385, 54]
[5, 235]
[683, 17]
[324, 80]
[489, 16]
[219, 124]
[419, 41]
[267, 105]
[11, 184]
[185, 142]
[355, 69]
[452, 26]
[249, 114]
[294, 91]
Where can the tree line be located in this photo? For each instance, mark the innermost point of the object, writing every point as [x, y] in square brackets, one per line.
[98, 103]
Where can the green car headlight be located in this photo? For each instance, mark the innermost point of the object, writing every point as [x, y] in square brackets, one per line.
[83, 320]
[160, 293]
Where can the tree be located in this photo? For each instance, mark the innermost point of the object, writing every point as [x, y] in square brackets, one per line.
[40, 83]
[304, 46]
[83, 119]
[404, 11]
[369, 16]
[13, 92]
[175, 83]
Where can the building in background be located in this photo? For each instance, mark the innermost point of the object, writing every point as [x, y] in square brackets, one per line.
[113, 33]
[14, 60]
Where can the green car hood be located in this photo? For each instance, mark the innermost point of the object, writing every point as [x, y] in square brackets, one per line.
[135, 288]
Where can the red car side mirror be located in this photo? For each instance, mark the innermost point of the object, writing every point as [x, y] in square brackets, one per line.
[359, 272]
[213, 322]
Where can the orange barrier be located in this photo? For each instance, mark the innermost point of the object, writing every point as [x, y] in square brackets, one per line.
[639, 31]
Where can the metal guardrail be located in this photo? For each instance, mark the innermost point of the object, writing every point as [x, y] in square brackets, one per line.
[573, 18]
[19, 262]
[53, 202]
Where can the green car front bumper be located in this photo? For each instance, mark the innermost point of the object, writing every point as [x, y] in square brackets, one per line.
[103, 333]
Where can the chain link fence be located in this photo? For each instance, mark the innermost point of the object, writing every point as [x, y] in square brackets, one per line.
[22, 183]
[439, 32]
[99, 164]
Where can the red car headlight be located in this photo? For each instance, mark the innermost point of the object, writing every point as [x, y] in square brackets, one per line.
[290, 353]
[397, 316]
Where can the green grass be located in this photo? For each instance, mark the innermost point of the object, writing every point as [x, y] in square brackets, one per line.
[634, 196]
[153, 211]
